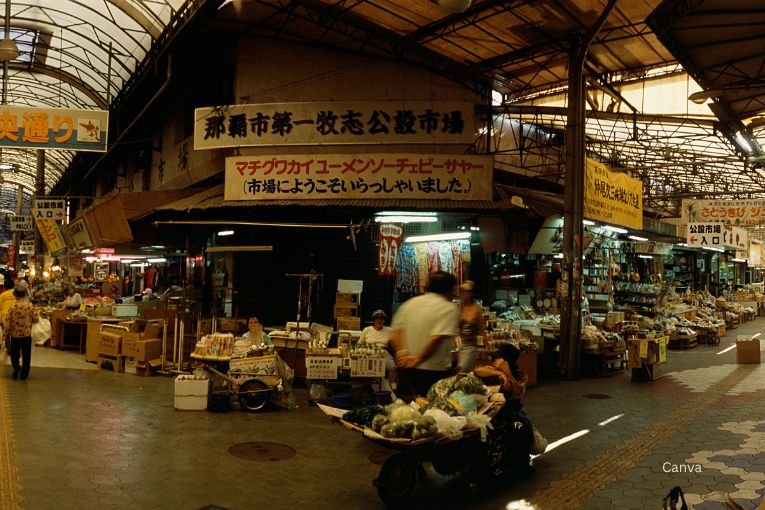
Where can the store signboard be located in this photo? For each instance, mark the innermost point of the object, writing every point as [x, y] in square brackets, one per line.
[22, 224]
[612, 197]
[359, 176]
[49, 209]
[755, 254]
[736, 212]
[389, 240]
[54, 128]
[27, 247]
[652, 248]
[716, 235]
[328, 123]
[81, 238]
[51, 235]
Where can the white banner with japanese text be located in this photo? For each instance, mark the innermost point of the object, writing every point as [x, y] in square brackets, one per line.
[358, 122]
[735, 212]
[612, 197]
[54, 128]
[333, 176]
[717, 235]
[389, 238]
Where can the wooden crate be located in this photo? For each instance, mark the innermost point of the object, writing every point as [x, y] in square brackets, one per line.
[683, 342]
[648, 372]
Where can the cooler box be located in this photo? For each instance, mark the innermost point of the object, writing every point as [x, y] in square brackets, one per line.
[191, 394]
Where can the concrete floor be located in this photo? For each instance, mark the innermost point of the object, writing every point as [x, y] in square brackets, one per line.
[74, 437]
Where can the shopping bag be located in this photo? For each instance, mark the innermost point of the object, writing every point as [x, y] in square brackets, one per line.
[540, 443]
[41, 331]
[674, 497]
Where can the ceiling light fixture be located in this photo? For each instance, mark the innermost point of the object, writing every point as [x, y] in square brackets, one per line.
[702, 96]
[618, 230]
[454, 6]
[8, 49]
[438, 237]
[638, 238]
[223, 233]
[743, 143]
[405, 219]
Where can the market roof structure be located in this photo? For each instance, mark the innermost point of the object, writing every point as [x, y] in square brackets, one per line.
[91, 54]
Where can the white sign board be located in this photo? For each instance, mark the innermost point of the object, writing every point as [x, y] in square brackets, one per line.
[45, 209]
[716, 235]
[735, 212]
[22, 224]
[80, 234]
[27, 247]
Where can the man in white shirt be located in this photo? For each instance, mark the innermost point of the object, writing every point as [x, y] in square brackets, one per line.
[424, 329]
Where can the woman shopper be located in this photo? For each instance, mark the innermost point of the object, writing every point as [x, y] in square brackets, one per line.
[17, 330]
[471, 327]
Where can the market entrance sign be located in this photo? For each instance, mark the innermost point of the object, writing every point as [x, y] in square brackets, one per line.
[735, 212]
[27, 246]
[51, 235]
[21, 224]
[354, 176]
[717, 235]
[612, 197]
[45, 209]
[358, 122]
[53, 128]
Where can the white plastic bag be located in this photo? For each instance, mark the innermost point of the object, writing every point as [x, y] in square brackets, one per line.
[41, 331]
[482, 422]
[448, 426]
[540, 443]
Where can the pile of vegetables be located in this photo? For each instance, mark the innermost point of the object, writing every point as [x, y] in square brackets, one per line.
[403, 421]
[363, 415]
[457, 398]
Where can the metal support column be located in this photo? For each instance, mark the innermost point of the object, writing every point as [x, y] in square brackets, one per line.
[39, 193]
[573, 209]
[16, 236]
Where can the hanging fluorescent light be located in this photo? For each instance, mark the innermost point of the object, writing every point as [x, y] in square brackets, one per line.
[128, 261]
[743, 143]
[405, 219]
[645, 256]
[158, 260]
[739, 260]
[438, 237]
[405, 213]
[616, 229]
[558, 256]
[588, 222]
[682, 244]
[712, 248]
[638, 238]
[223, 233]
[140, 264]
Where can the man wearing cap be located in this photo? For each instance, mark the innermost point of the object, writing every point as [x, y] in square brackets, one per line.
[379, 334]
[424, 329]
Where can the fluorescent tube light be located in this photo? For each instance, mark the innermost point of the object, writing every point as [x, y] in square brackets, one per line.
[225, 233]
[739, 260]
[712, 248]
[405, 219]
[558, 256]
[140, 264]
[682, 244]
[588, 222]
[405, 213]
[638, 238]
[438, 237]
[616, 229]
[158, 260]
[645, 256]
[743, 143]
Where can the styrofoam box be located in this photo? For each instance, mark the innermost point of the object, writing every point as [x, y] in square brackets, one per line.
[192, 387]
[191, 402]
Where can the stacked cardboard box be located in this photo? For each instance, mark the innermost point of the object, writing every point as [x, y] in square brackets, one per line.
[346, 310]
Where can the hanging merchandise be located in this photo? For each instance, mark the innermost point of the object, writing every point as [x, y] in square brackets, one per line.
[416, 261]
[391, 236]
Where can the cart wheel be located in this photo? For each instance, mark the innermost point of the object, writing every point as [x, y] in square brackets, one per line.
[397, 479]
[253, 395]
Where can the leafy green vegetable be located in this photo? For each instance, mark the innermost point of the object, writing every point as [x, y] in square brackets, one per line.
[378, 421]
[362, 415]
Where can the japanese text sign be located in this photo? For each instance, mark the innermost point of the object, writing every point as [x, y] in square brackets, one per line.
[736, 212]
[80, 234]
[717, 235]
[333, 123]
[612, 197]
[51, 235]
[389, 238]
[333, 176]
[53, 128]
[27, 246]
[21, 224]
[47, 209]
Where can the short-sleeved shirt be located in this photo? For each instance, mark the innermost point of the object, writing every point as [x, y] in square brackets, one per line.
[20, 318]
[378, 337]
[7, 299]
[424, 316]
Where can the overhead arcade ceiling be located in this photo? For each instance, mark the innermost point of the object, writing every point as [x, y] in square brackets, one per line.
[87, 53]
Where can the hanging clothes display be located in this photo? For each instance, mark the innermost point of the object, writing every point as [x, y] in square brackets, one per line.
[406, 270]
[416, 261]
[423, 266]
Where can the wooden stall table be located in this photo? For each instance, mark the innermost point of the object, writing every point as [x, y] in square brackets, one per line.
[79, 328]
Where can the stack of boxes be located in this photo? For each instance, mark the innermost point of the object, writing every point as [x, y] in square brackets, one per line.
[131, 347]
[346, 311]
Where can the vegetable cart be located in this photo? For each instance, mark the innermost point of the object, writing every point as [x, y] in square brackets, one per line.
[400, 472]
[252, 388]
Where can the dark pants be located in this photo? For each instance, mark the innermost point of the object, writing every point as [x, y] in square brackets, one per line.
[21, 346]
[414, 382]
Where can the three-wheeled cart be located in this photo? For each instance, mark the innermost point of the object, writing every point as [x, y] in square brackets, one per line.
[399, 474]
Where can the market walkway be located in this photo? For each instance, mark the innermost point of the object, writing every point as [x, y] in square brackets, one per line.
[78, 438]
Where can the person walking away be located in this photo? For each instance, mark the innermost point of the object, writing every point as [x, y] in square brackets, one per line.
[18, 330]
[471, 327]
[6, 299]
[423, 332]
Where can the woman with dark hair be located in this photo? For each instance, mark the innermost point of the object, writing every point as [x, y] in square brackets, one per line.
[509, 444]
[255, 333]
[17, 329]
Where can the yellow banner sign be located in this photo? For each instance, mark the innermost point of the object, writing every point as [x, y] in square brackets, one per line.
[51, 235]
[612, 197]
